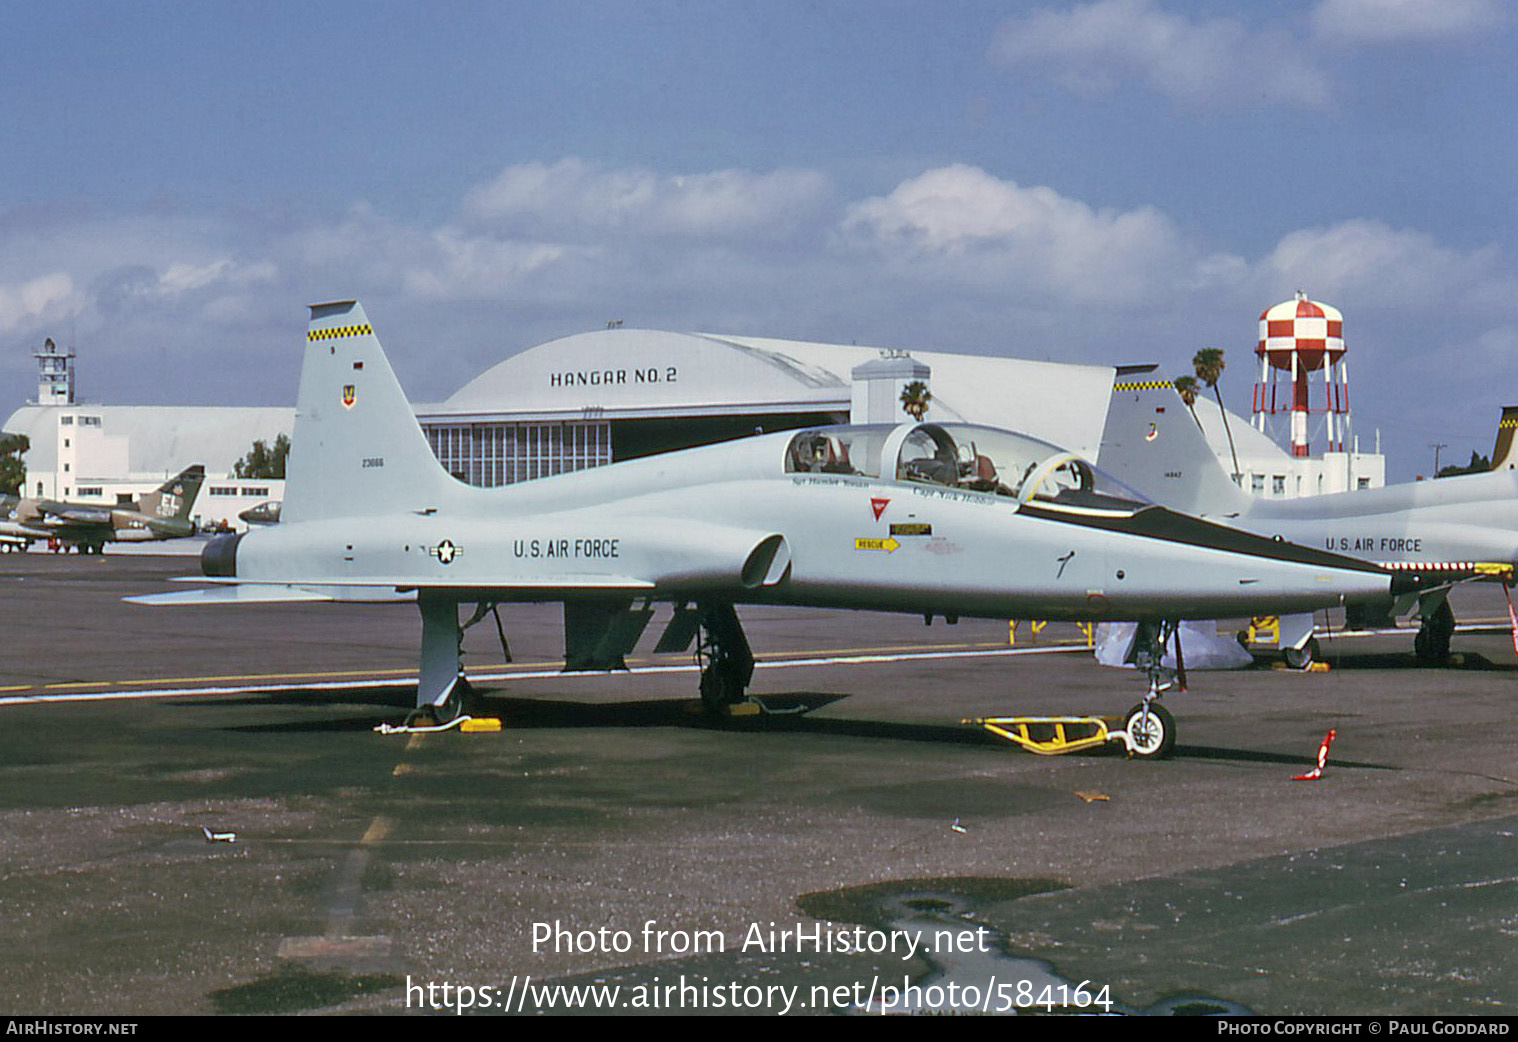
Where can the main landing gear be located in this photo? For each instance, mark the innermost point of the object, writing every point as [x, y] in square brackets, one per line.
[1431, 645]
[723, 656]
[442, 693]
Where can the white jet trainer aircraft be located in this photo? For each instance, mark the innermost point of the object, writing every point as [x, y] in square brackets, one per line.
[936, 519]
[1432, 533]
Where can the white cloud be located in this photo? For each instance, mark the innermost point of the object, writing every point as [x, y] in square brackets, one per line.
[462, 267]
[572, 198]
[1214, 63]
[1388, 268]
[964, 222]
[47, 298]
[1374, 22]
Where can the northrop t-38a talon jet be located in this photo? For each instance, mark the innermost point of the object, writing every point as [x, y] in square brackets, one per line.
[1433, 533]
[928, 518]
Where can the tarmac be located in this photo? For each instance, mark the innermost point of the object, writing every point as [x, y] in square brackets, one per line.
[864, 852]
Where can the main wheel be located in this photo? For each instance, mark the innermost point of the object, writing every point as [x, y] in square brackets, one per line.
[719, 688]
[1432, 642]
[1154, 737]
[1301, 658]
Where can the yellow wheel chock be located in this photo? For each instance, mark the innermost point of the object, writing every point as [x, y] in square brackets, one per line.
[1052, 735]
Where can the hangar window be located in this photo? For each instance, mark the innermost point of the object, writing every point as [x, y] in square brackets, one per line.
[492, 454]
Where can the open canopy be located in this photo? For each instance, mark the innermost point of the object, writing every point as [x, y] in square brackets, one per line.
[962, 456]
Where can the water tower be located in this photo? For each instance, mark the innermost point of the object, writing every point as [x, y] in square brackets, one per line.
[1299, 338]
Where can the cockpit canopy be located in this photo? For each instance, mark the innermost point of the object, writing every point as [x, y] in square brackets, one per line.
[962, 456]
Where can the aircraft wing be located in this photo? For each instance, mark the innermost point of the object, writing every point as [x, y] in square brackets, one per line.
[240, 591]
[83, 516]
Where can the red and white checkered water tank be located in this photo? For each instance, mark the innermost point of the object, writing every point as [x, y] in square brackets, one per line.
[1311, 331]
[1298, 338]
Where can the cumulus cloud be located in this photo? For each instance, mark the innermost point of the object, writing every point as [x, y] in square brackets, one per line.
[458, 266]
[47, 298]
[1217, 62]
[964, 221]
[953, 258]
[572, 198]
[1389, 268]
[1374, 22]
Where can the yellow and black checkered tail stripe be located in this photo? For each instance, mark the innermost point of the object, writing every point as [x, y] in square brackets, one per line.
[1142, 385]
[339, 332]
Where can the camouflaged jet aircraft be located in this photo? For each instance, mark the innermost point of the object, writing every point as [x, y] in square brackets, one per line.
[937, 519]
[1433, 533]
[161, 514]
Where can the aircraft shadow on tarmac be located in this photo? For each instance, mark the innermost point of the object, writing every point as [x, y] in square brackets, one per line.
[1470, 662]
[787, 715]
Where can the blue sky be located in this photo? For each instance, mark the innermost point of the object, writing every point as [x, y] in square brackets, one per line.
[1110, 181]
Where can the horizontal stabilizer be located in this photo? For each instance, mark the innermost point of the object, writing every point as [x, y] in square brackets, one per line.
[567, 583]
[230, 595]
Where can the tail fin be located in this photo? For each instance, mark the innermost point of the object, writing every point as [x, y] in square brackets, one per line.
[1502, 455]
[1154, 444]
[356, 449]
[175, 498]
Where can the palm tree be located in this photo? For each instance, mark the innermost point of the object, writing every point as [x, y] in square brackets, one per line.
[1186, 387]
[915, 398]
[1208, 363]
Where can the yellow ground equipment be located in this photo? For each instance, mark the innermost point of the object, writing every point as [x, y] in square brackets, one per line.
[1143, 732]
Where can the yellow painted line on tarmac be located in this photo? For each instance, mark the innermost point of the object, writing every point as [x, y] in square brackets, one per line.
[503, 667]
[254, 677]
[250, 684]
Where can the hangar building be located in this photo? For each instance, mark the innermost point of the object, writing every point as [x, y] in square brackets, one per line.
[617, 394]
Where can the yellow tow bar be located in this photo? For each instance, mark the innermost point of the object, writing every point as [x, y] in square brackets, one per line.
[1052, 735]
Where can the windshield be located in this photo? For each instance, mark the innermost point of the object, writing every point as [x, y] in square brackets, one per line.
[962, 456]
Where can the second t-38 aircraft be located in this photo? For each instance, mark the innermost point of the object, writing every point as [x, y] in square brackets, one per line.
[937, 519]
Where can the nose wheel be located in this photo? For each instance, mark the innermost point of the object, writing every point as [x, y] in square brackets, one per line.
[1151, 731]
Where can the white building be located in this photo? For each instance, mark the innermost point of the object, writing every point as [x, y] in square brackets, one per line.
[1268, 471]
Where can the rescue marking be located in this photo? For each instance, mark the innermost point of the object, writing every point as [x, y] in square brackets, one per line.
[878, 505]
[890, 546]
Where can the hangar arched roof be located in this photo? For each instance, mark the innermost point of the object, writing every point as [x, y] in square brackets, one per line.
[626, 373]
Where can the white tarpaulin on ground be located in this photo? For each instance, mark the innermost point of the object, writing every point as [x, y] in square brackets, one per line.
[1202, 647]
